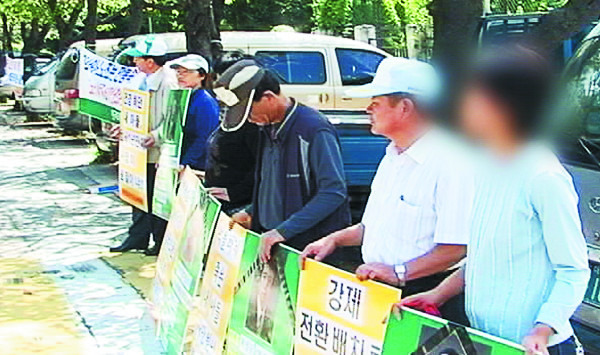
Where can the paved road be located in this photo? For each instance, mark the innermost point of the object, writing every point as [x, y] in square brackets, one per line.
[47, 217]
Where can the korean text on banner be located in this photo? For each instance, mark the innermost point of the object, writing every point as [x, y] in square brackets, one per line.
[420, 333]
[171, 137]
[13, 72]
[338, 314]
[181, 260]
[101, 83]
[132, 155]
[264, 306]
[218, 285]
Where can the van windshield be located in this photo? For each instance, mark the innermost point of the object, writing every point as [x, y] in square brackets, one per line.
[67, 67]
[577, 112]
[46, 68]
[582, 77]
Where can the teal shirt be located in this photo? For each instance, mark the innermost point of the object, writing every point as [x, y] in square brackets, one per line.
[527, 257]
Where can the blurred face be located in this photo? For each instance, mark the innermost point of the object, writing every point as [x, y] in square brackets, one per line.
[385, 115]
[146, 66]
[482, 117]
[189, 79]
[262, 110]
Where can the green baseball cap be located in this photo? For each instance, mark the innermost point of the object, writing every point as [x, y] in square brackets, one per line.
[150, 46]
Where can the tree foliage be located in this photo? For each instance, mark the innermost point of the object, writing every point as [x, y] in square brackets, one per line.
[263, 15]
[333, 16]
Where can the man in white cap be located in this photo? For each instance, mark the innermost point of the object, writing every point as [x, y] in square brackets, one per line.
[416, 223]
[149, 56]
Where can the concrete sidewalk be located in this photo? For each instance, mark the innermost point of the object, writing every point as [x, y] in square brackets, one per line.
[49, 219]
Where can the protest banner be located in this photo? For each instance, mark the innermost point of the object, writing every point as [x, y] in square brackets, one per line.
[133, 156]
[264, 306]
[101, 83]
[13, 72]
[420, 333]
[338, 314]
[181, 260]
[171, 137]
[218, 285]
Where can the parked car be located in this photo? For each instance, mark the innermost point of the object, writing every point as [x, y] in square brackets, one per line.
[38, 93]
[14, 67]
[502, 28]
[579, 142]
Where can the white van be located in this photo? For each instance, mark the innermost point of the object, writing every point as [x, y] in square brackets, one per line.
[315, 69]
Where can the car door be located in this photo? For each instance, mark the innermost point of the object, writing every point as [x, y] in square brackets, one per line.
[356, 67]
[578, 113]
[303, 74]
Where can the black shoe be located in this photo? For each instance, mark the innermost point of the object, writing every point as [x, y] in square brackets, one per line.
[124, 248]
[152, 251]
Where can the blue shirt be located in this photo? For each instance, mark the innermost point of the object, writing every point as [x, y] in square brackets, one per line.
[202, 119]
[527, 257]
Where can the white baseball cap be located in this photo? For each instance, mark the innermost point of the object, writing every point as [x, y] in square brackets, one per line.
[190, 62]
[401, 75]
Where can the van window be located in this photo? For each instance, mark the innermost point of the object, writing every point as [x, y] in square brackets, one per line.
[577, 112]
[67, 68]
[583, 87]
[295, 67]
[357, 67]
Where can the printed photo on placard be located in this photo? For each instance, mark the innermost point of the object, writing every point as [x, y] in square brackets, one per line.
[264, 308]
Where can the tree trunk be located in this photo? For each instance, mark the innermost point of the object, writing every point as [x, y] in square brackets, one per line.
[455, 23]
[136, 17]
[7, 42]
[562, 23]
[65, 25]
[91, 21]
[201, 31]
[33, 36]
[218, 13]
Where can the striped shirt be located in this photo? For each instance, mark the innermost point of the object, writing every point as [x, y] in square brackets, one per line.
[527, 258]
[420, 197]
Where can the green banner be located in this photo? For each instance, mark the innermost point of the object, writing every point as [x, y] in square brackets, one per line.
[99, 111]
[419, 334]
[171, 136]
[264, 305]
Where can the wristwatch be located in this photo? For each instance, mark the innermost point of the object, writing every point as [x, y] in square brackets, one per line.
[400, 271]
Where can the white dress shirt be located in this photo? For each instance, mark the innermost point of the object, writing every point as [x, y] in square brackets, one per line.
[419, 198]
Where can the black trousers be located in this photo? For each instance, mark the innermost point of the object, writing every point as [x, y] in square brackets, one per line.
[567, 347]
[145, 223]
[453, 310]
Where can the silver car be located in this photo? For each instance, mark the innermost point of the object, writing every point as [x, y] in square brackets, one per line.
[39, 91]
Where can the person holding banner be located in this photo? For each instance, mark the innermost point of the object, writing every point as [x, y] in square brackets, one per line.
[203, 112]
[300, 191]
[416, 223]
[527, 266]
[149, 56]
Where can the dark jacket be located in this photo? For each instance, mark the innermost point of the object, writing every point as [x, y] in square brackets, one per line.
[300, 181]
[231, 160]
